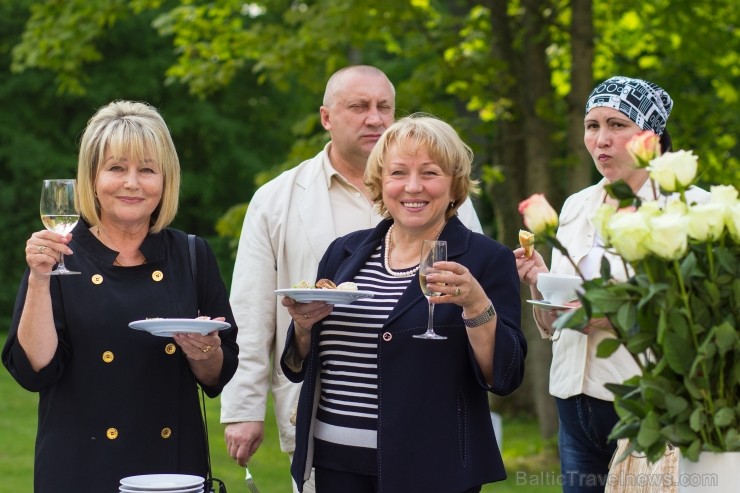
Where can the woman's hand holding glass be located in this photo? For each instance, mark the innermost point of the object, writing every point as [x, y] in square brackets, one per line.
[59, 213]
[44, 250]
[457, 285]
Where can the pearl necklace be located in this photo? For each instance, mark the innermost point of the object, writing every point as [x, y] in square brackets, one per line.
[387, 256]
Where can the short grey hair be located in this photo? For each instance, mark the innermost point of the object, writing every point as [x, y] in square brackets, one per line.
[335, 82]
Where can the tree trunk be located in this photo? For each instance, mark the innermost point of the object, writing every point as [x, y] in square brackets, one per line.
[525, 150]
[581, 83]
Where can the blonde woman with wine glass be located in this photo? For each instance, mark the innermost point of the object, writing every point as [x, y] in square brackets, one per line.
[379, 408]
[113, 401]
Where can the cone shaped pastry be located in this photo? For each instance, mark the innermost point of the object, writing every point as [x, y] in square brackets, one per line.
[526, 240]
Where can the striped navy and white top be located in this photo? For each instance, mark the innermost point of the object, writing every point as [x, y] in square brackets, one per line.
[348, 354]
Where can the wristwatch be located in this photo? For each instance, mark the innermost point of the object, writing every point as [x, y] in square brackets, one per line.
[484, 317]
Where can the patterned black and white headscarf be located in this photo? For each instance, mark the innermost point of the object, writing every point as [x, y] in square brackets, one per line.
[643, 102]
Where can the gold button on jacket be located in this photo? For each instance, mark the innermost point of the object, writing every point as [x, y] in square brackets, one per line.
[170, 348]
[108, 356]
[157, 275]
[111, 433]
[166, 433]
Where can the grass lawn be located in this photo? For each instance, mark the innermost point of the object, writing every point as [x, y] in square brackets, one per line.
[531, 464]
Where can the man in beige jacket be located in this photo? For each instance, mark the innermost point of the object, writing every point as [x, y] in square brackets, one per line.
[289, 224]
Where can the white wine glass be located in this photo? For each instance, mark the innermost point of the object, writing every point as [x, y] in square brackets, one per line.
[59, 212]
[431, 251]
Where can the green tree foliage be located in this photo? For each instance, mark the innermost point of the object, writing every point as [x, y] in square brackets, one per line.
[223, 141]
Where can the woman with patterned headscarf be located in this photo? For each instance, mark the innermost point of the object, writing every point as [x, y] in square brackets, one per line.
[617, 109]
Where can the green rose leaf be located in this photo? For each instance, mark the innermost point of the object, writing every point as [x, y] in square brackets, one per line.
[694, 386]
[678, 352]
[624, 430]
[679, 433]
[692, 451]
[724, 417]
[726, 337]
[675, 404]
[621, 389]
[649, 432]
[622, 192]
[607, 347]
[574, 319]
[639, 342]
[626, 316]
[689, 268]
[727, 259]
[732, 439]
[678, 324]
[631, 406]
[698, 419]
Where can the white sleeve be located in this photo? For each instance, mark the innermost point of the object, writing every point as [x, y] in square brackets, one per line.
[468, 216]
[253, 303]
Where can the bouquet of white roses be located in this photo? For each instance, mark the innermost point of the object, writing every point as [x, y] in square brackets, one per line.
[678, 310]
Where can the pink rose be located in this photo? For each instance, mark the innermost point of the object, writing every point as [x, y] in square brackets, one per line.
[644, 147]
[538, 214]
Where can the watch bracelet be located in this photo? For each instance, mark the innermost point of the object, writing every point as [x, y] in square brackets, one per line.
[484, 317]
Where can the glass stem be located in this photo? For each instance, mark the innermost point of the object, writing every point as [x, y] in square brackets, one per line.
[430, 321]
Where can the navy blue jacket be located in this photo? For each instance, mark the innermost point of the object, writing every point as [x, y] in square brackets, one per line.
[434, 425]
[117, 402]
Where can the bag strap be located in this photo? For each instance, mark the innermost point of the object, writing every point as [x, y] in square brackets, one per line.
[210, 480]
[193, 260]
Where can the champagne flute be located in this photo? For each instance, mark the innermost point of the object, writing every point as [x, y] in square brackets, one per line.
[431, 251]
[59, 212]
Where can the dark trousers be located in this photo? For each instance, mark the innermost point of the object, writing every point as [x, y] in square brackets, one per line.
[333, 481]
[585, 450]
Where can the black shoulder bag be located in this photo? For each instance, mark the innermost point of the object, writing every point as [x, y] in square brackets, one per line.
[210, 482]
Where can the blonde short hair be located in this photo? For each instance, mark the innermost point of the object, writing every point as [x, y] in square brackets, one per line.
[137, 131]
[442, 143]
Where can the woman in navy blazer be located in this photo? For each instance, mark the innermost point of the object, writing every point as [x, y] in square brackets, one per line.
[424, 424]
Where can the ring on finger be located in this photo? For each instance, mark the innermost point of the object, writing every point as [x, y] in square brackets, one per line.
[457, 290]
[305, 315]
[41, 248]
[206, 349]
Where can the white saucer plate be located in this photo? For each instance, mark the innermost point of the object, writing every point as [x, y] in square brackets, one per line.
[546, 305]
[163, 482]
[167, 327]
[330, 296]
[127, 489]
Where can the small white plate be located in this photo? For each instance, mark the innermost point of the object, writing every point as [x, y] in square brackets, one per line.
[166, 327]
[330, 296]
[163, 482]
[141, 489]
[546, 305]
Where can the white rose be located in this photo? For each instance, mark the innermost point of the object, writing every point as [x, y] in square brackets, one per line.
[601, 219]
[723, 194]
[668, 236]
[650, 209]
[706, 221]
[674, 171]
[674, 205]
[733, 221]
[628, 231]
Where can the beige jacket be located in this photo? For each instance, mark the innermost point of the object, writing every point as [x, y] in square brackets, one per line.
[288, 226]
